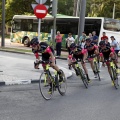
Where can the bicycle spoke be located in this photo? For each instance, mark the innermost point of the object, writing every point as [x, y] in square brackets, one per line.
[115, 78]
[62, 85]
[83, 77]
[97, 70]
[45, 87]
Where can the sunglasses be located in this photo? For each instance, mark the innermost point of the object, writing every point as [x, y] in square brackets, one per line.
[34, 45]
[102, 45]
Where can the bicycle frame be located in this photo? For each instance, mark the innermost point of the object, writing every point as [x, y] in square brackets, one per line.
[48, 72]
[95, 59]
[112, 64]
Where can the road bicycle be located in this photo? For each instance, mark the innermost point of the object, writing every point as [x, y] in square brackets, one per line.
[114, 74]
[46, 77]
[80, 72]
[96, 65]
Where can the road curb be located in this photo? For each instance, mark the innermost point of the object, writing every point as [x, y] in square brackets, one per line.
[4, 50]
[24, 82]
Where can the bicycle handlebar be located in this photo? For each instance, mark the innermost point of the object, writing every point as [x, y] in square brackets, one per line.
[75, 62]
[109, 60]
[92, 56]
[44, 62]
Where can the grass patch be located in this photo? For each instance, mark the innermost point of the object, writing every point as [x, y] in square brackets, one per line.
[22, 51]
[15, 49]
[7, 36]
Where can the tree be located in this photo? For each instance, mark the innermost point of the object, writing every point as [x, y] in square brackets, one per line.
[75, 7]
[0, 11]
[14, 7]
[101, 8]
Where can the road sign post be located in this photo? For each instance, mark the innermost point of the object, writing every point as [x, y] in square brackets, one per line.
[81, 18]
[54, 13]
[40, 11]
[3, 24]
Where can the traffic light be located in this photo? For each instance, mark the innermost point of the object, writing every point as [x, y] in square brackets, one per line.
[53, 7]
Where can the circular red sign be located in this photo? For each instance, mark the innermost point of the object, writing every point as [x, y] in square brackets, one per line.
[40, 11]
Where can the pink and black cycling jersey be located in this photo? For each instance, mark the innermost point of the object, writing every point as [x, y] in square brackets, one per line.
[106, 52]
[45, 55]
[78, 55]
[91, 52]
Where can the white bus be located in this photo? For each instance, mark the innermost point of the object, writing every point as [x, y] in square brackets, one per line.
[24, 27]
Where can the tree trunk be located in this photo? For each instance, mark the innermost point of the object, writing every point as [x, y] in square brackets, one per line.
[75, 7]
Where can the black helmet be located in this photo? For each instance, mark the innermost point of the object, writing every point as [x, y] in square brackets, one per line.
[102, 43]
[34, 41]
[79, 48]
[72, 46]
[43, 46]
[88, 40]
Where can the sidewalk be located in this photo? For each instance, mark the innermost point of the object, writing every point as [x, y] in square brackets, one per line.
[19, 48]
[15, 72]
[21, 71]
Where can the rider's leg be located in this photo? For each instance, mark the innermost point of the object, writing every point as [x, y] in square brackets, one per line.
[112, 55]
[109, 70]
[69, 61]
[76, 71]
[85, 69]
[92, 65]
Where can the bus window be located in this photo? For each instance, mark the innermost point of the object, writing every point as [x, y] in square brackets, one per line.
[27, 25]
[111, 24]
[66, 26]
[17, 24]
[92, 25]
[46, 26]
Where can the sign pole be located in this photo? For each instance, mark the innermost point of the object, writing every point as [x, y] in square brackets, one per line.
[40, 11]
[54, 13]
[3, 24]
[81, 18]
[39, 24]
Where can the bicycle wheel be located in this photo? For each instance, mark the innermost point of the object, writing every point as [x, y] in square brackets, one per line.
[62, 86]
[97, 70]
[83, 77]
[44, 86]
[115, 78]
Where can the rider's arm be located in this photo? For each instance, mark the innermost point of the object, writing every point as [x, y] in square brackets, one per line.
[52, 57]
[96, 49]
[113, 52]
[37, 56]
[48, 50]
[84, 52]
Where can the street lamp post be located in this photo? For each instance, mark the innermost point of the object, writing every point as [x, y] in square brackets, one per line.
[113, 11]
[3, 24]
[81, 18]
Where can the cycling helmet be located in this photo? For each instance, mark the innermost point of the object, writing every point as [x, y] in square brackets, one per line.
[73, 46]
[79, 48]
[34, 41]
[43, 46]
[102, 43]
[88, 40]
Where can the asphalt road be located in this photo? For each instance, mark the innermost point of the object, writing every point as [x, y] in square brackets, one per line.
[101, 101]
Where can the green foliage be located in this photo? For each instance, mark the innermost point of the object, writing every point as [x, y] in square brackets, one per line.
[102, 8]
[0, 11]
[98, 8]
[14, 7]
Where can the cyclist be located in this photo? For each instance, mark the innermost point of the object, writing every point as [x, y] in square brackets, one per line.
[47, 55]
[107, 53]
[78, 53]
[92, 51]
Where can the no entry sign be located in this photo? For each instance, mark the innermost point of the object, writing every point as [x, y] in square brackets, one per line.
[40, 11]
